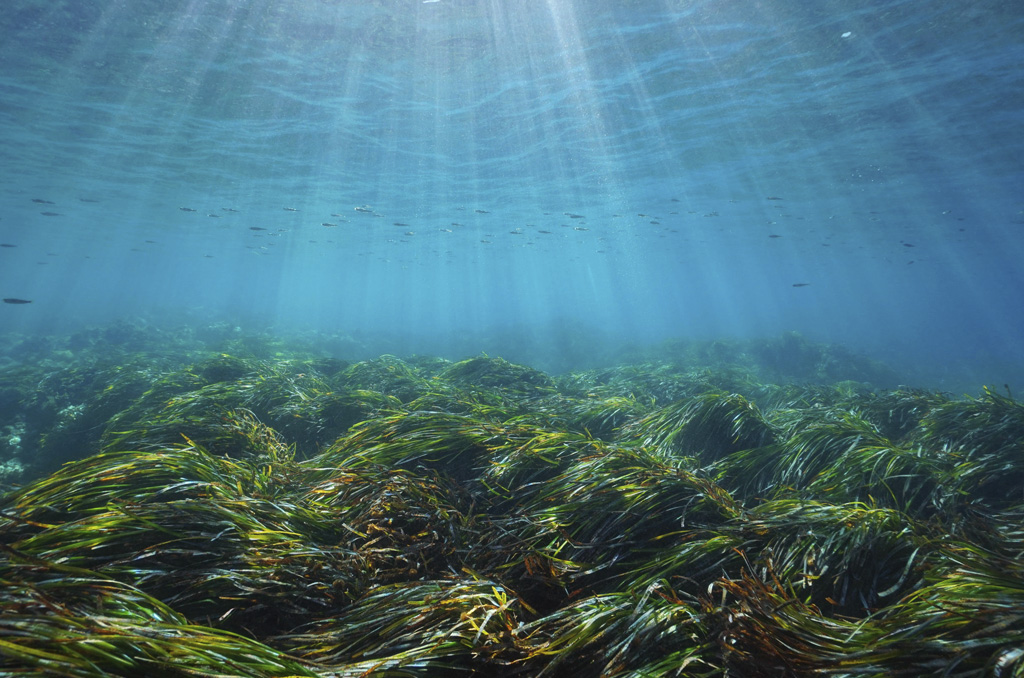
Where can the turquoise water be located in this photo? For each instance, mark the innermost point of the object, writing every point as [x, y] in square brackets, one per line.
[444, 171]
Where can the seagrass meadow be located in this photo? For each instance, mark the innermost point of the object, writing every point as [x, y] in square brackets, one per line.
[706, 510]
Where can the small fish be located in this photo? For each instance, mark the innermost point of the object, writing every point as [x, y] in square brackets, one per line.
[335, 215]
[907, 244]
[574, 216]
[215, 216]
[366, 208]
[481, 211]
[545, 232]
[87, 200]
[256, 228]
[50, 214]
[410, 232]
[656, 223]
[773, 197]
[399, 223]
[6, 244]
[186, 209]
[227, 209]
[580, 228]
[12, 300]
[328, 224]
[456, 224]
[42, 202]
[152, 242]
[289, 209]
[675, 200]
[774, 235]
[801, 284]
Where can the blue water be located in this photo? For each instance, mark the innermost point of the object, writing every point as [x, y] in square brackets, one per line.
[635, 170]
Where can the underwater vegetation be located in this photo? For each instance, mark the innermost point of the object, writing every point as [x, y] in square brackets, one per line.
[278, 513]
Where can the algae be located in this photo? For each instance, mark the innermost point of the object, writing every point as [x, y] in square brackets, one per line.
[207, 513]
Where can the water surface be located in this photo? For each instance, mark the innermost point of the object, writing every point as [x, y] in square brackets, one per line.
[436, 170]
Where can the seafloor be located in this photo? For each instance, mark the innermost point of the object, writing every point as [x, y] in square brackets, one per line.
[258, 508]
